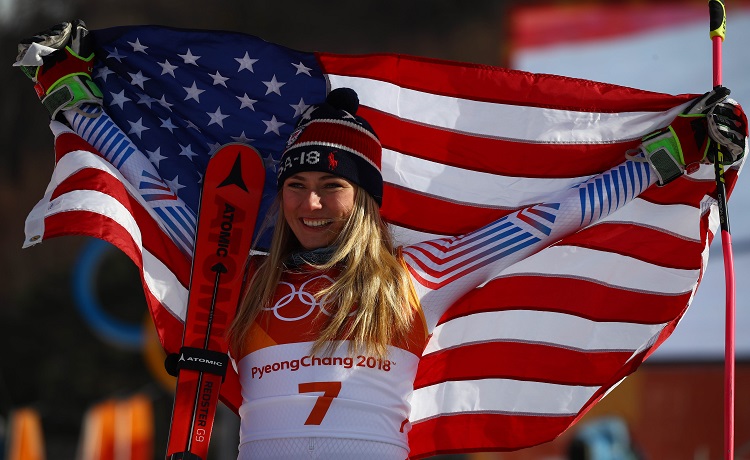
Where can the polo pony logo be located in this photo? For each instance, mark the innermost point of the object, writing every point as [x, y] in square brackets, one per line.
[332, 162]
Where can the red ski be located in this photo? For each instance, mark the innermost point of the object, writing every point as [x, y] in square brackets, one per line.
[232, 191]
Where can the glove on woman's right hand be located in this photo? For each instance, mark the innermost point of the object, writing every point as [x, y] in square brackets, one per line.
[60, 61]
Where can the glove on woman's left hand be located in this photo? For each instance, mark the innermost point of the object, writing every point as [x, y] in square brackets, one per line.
[727, 126]
[711, 118]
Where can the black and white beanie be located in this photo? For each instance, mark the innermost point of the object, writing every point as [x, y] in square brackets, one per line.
[330, 138]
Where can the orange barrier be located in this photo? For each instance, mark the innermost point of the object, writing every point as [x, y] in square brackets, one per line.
[25, 441]
[118, 430]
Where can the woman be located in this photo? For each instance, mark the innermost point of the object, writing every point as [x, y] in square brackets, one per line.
[327, 338]
[334, 320]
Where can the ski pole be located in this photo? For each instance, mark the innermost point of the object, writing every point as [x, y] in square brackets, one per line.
[718, 20]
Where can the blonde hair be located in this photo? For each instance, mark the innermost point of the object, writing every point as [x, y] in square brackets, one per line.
[372, 283]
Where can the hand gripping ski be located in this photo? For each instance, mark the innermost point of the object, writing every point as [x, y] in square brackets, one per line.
[232, 191]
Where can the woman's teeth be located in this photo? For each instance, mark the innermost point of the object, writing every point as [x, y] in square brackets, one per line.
[316, 222]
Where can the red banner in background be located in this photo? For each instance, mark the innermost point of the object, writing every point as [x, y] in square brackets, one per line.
[542, 25]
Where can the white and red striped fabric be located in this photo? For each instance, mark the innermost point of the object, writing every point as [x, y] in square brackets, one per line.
[520, 359]
[463, 146]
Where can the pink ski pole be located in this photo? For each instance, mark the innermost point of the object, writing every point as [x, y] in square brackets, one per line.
[718, 20]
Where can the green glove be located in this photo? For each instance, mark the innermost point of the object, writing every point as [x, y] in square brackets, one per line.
[60, 61]
[684, 144]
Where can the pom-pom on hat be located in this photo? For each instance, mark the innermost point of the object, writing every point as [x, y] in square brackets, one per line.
[330, 138]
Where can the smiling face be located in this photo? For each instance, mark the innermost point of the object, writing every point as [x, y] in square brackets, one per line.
[316, 206]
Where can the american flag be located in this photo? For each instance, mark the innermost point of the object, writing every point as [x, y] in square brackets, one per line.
[513, 363]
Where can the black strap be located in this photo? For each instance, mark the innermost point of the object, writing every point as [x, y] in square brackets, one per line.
[197, 359]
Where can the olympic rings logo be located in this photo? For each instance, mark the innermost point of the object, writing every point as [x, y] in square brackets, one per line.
[303, 296]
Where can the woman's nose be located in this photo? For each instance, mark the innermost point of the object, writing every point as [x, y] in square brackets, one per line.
[312, 200]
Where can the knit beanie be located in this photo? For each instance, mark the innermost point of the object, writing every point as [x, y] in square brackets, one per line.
[330, 138]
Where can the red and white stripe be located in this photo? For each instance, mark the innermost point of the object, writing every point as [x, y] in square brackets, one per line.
[88, 196]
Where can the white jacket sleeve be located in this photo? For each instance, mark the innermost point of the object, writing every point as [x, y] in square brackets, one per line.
[445, 269]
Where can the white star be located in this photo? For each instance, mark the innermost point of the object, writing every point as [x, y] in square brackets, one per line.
[247, 102]
[155, 157]
[273, 86]
[103, 73]
[308, 114]
[273, 125]
[217, 117]
[164, 103]
[137, 47]
[189, 58]
[300, 107]
[246, 63]
[146, 100]
[174, 184]
[187, 151]
[167, 123]
[167, 67]
[242, 139]
[119, 99]
[269, 162]
[213, 148]
[193, 93]
[190, 124]
[138, 79]
[137, 128]
[219, 79]
[114, 54]
[302, 68]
